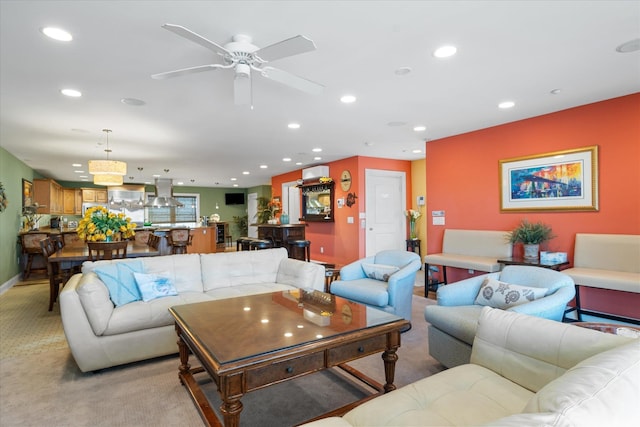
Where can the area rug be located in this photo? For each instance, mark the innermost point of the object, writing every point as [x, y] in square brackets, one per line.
[47, 388]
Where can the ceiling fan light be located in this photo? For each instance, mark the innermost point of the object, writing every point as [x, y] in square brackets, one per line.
[108, 180]
[107, 167]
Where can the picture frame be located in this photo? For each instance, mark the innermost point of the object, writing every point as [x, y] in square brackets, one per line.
[27, 193]
[558, 181]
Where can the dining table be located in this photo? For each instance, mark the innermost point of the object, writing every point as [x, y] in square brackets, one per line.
[71, 256]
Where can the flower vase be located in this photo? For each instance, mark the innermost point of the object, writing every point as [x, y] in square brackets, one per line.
[412, 230]
[284, 219]
[108, 239]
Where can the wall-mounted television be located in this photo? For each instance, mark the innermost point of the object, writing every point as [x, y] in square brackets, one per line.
[234, 198]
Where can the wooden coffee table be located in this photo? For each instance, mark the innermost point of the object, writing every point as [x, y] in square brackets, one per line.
[251, 342]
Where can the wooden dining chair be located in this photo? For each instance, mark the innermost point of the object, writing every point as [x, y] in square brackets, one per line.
[30, 243]
[107, 250]
[58, 274]
[153, 241]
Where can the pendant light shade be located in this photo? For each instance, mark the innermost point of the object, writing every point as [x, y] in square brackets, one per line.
[108, 179]
[107, 167]
[107, 172]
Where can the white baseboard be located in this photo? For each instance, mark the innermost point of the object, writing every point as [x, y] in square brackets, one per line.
[9, 284]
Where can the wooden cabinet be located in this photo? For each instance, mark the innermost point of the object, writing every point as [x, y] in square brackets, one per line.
[209, 239]
[317, 202]
[71, 201]
[94, 195]
[280, 233]
[48, 194]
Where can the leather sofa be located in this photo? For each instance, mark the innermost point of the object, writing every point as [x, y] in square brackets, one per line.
[101, 335]
[453, 321]
[524, 371]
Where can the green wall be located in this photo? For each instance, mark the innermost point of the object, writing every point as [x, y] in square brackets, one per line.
[12, 171]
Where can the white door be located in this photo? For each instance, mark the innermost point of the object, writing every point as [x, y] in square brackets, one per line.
[252, 210]
[291, 201]
[385, 205]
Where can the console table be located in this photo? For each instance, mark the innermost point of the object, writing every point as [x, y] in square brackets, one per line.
[533, 262]
[280, 233]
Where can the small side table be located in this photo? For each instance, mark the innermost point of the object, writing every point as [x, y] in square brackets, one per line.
[610, 328]
[331, 273]
[533, 262]
[413, 245]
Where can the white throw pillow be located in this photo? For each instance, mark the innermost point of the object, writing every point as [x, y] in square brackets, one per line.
[379, 271]
[497, 294]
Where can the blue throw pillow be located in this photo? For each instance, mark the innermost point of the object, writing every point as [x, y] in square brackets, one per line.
[119, 279]
[154, 286]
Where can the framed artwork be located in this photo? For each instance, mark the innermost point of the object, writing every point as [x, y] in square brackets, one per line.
[27, 193]
[562, 180]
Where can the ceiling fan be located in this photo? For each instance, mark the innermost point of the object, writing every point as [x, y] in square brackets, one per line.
[243, 57]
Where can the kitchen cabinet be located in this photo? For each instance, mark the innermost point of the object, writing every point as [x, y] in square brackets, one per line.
[209, 239]
[71, 201]
[49, 195]
[94, 195]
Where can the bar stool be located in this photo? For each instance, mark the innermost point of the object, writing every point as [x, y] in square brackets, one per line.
[179, 239]
[258, 244]
[30, 243]
[300, 249]
[242, 244]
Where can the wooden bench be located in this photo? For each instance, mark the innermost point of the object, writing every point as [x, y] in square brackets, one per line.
[606, 261]
[470, 250]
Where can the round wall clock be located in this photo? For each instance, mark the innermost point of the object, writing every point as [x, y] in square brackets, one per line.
[345, 180]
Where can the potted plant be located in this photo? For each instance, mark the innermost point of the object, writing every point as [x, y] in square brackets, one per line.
[531, 235]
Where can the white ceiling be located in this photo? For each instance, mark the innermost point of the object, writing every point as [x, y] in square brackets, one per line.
[515, 50]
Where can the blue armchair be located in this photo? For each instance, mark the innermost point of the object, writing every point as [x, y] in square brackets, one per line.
[454, 320]
[393, 294]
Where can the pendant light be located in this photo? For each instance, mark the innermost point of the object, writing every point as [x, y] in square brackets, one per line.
[107, 172]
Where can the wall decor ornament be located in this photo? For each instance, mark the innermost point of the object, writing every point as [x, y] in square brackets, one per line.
[351, 199]
[3, 198]
[563, 180]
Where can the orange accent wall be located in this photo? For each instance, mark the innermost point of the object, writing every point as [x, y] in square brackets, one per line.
[344, 242]
[463, 180]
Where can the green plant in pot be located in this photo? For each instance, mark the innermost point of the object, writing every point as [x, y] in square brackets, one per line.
[531, 235]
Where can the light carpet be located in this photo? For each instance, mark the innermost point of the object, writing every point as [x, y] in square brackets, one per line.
[40, 384]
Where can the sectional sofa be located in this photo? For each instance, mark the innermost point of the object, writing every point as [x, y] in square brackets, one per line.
[524, 371]
[102, 334]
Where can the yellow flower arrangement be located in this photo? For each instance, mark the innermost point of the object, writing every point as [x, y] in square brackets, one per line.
[98, 224]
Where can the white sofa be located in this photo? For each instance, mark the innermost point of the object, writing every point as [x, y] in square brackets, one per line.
[524, 371]
[101, 335]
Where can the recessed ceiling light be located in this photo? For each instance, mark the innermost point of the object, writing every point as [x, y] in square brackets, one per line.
[317, 158]
[156, 176]
[293, 125]
[348, 99]
[78, 171]
[57, 34]
[419, 128]
[76, 165]
[180, 183]
[83, 176]
[630, 46]
[402, 71]
[555, 91]
[417, 151]
[233, 179]
[263, 166]
[286, 159]
[317, 150]
[245, 172]
[445, 51]
[506, 104]
[298, 163]
[235, 185]
[133, 102]
[71, 92]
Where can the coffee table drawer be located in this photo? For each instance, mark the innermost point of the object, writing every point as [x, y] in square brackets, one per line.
[284, 370]
[355, 350]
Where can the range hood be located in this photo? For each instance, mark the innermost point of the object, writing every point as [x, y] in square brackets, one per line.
[164, 195]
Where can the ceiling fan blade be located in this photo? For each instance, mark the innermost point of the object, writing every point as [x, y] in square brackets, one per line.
[185, 71]
[196, 38]
[242, 89]
[292, 80]
[289, 47]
